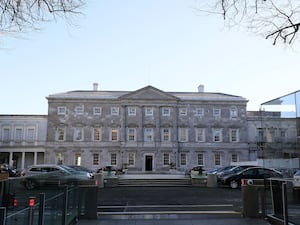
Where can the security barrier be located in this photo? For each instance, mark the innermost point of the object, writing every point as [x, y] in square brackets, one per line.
[253, 198]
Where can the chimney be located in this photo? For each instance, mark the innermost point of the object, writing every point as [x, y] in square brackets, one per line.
[201, 88]
[95, 86]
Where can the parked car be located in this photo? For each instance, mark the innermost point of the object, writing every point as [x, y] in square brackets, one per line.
[52, 175]
[82, 169]
[219, 169]
[296, 181]
[232, 170]
[234, 180]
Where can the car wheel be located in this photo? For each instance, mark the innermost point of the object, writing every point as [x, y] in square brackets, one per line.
[234, 184]
[29, 184]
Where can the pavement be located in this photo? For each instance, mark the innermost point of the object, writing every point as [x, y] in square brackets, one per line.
[193, 217]
[194, 220]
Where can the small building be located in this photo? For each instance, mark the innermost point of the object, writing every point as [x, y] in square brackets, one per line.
[22, 140]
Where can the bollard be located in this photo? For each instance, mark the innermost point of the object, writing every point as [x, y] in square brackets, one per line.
[2, 215]
[31, 210]
[41, 209]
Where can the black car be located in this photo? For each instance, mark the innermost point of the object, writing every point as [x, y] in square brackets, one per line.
[234, 180]
[232, 170]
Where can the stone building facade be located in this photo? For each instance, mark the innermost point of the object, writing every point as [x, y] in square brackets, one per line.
[147, 129]
[22, 140]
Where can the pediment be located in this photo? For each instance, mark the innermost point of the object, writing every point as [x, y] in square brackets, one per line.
[149, 93]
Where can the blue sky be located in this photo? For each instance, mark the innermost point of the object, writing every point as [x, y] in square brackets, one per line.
[129, 44]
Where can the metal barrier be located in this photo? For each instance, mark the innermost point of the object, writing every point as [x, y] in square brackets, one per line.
[283, 202]
[253, 198]
[59, 206]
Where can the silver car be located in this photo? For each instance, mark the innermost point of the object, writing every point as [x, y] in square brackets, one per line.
[296, 181]
[49, 175]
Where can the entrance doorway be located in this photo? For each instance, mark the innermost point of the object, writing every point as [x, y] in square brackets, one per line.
[149, 162]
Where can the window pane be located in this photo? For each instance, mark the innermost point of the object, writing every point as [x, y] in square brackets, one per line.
[30, 134]
[131, 134]
[148, 134]
[114, 134]
[131, 157]
[5, 136]
[183, 159]
[166, 159]
[77, 159]
[200, 134]
[18, 135]
[61, 110]
[165, 134]
[61, 134]
[217, 159]
[149, 111]
[97, 110]
[78, 136]
[96, 159]
[97, 134]
[200, 159]
[113, 159]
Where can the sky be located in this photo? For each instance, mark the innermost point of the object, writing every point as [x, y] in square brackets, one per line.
[129, 44]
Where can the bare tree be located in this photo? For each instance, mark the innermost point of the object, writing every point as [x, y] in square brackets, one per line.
[25, 15]
[278, 20]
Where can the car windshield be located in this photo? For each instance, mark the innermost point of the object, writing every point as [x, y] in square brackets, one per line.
[297, 173]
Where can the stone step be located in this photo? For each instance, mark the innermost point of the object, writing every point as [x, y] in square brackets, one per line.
[155, 182]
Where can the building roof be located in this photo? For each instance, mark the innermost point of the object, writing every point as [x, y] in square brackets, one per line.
[147, 91]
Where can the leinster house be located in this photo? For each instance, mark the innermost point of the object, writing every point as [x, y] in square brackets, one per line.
[147, 129]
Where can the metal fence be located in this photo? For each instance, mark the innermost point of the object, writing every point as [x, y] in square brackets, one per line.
[283, 202]
[56, 206]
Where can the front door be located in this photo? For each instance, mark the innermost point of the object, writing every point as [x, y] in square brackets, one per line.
[149, 162]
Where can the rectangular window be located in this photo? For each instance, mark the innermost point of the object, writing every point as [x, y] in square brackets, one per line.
[199, 112]
[114, 134]
[182, 111]
[79, 110]
[97, 111]
[200, 159]
[77, 159]
[234, 157]
[217, 135]
[96, 160]
[30, 134]
[166, 111]
[166, 137]
[217, 113]
[131, 159]
[131, 111]
[18, 134]
[97, 134]
[148, 134]
[60, 134]
[183, 134]
[5, 135]
[233, 113]
[114, 111]
[61, 110]
[260, 133]
[234, 135]
[60, 158]
[78, 134]
[217, 159]
[270, 135]
[131, 134]
[183, 159]
[113, 159]
[149, 111]
[200, 134]
[166, 159]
